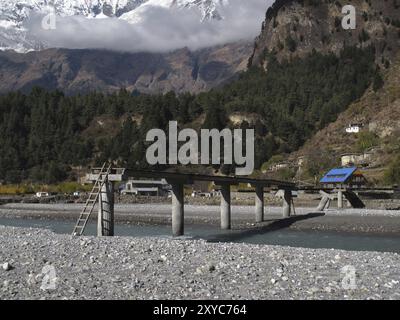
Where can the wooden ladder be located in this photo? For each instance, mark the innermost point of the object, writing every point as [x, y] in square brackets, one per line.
[92, 200]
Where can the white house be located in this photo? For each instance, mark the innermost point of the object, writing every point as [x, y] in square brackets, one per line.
[42, 194]
[354, 128]
[146, 188]
[357, 159]
[279, 166]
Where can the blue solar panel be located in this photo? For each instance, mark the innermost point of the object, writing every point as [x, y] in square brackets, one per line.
[338, 175]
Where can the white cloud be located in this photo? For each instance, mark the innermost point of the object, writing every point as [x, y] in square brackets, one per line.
[159, 30]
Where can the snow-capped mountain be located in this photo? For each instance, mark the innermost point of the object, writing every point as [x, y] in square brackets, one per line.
[14, 14]
[208, 8]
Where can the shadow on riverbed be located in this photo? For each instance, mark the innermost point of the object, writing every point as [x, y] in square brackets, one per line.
[275, 225]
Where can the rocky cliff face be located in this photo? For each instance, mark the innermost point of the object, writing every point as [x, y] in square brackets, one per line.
[85, 70]
[293, 28]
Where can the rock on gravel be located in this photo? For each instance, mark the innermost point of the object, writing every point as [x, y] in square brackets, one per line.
[6, 266]
[50, 266]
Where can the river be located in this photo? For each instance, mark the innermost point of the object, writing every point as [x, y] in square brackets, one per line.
[283, 237]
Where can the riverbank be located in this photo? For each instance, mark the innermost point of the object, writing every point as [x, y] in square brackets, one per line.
[373, 200]
[346, 220]
[153, 268]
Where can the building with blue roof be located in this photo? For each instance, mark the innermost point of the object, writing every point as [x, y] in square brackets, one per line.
[344, 177]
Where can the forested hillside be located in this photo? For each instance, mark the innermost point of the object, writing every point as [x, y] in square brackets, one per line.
[46, 134]
[379, 113]
[305, 71]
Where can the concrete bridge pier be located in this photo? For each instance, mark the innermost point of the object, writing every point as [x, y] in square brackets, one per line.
[226, 223]
[287, 203]
[178, 215]
[328, 204]
[259, 205]
[322, 204]
[105, 220]
[325, 201]
[340, 199]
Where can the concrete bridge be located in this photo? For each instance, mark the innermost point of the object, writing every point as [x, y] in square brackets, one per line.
[104, 179]
[105, 195]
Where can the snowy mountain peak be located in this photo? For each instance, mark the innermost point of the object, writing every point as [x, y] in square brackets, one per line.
[15, 13]
[18, 10]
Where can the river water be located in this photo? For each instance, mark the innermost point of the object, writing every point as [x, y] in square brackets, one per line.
[284, 237]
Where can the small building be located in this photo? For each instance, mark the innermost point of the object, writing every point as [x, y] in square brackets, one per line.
[42, 194]
[344, 178]
[354, 128]
[158, 188]
[279, 166]
[196, 194]
[356, 159]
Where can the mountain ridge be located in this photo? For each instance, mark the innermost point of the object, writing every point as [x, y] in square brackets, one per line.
[78, 71]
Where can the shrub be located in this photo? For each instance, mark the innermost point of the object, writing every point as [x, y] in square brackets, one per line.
[366, 140]
[392, 173]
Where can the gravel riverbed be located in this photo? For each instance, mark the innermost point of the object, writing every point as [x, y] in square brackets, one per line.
[38, 264]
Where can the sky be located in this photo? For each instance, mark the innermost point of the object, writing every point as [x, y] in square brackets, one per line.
[159, 30]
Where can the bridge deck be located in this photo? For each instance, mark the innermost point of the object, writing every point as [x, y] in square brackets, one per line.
[218, 180]
[317, 189]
